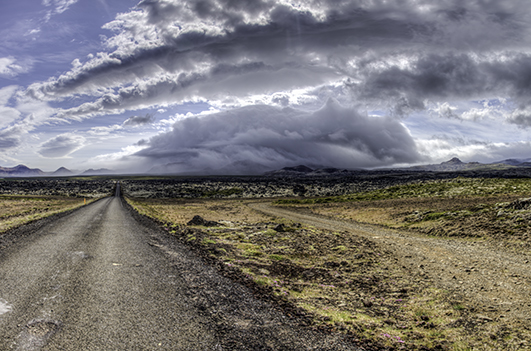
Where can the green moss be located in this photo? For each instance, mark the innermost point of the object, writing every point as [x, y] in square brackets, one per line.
[340, 248]
[270, 232]
[208, 241]
[439, 188]
[435, 216]
[277, 257]
[253, 253]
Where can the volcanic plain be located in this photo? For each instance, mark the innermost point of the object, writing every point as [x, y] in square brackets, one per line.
[380, 260]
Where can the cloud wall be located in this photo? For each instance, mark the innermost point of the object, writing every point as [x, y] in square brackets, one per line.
[255, 138]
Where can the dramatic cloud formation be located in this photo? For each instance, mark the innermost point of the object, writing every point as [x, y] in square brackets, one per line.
[62, 145]
[256, 138]
[416, 64]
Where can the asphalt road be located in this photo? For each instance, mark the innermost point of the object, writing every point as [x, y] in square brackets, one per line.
[97, 279]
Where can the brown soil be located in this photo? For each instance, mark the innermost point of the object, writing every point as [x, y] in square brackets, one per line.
[479, 265]
[386, 288]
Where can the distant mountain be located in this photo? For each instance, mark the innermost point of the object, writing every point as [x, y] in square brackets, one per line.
[526, 162]
[20, 171]
[101, 171]
[62, 172]
[300, 170]
[456, 164]
[303, 170]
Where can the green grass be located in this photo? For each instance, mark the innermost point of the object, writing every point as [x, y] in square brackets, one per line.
[458, 187]
[277, 257]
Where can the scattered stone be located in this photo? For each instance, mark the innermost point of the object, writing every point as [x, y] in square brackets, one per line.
[279, 228]
[198, 220]
[485, 318]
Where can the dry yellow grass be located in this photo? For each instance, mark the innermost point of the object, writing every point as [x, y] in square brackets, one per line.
[345, 272]
[18, 210]
[179, 211]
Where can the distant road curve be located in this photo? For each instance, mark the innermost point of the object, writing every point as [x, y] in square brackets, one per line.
[488, 276]
[97, 279]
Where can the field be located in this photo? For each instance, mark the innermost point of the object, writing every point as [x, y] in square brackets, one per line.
[26, 200]
[434, 270]
[485, 209]
[396, 261]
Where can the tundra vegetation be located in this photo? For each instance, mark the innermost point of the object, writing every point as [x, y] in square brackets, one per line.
[18, 210]
[352, 284]
[24, 200]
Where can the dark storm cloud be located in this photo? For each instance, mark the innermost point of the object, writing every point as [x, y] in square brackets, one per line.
[139, 120]
[221, 81]
[226, 34]
[272, 137]
[8, 142]
[437, 77]
[394, 57]
[182, 42]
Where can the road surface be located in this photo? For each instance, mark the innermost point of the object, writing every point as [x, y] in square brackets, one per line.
[97, 279]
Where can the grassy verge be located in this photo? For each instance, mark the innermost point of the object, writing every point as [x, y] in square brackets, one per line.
[18, 210]
[343, 282]
[496, 210]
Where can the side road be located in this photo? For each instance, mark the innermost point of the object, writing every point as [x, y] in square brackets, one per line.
[96, 279]
[495, 283]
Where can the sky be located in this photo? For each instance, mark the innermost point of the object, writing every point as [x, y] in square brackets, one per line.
[246, 86]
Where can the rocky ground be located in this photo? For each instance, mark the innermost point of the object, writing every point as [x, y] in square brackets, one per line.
[442, 265]
[289, 185]
[90, 187]
[487, 282]
[411, 261]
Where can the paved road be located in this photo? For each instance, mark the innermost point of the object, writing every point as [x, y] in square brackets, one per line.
[99, 280]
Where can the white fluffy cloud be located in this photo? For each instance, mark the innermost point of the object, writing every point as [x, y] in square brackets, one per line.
[9, 67]
[62, 145]
[58, 6]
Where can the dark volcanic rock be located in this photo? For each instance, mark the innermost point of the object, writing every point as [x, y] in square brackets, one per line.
[279, 228]
[198, 220]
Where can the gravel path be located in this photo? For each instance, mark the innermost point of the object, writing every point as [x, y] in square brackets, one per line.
[97, 279]
[494, 283]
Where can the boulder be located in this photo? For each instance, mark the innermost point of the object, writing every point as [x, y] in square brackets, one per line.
[198, 220]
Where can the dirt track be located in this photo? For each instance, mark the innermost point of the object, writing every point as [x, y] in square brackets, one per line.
[494, 283]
